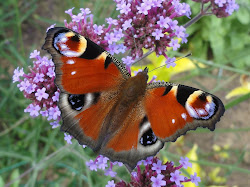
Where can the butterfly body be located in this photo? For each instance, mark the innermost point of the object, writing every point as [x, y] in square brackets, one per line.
[122, 117]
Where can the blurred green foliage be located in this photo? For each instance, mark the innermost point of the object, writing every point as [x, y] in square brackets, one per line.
[224, 40]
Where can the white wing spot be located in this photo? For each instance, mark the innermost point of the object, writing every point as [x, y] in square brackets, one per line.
[173, 121]
[63, 46]
[63, 39]
[191, 111]
[73, 72]
[70, 62]
[184, 116]
[201, 111]
[207, 107]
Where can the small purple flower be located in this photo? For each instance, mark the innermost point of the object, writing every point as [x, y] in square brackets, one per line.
[180, 31]
[118, 34]
[92, 165]
[157, 3]
[17, 74]
[127, 24]
[148, 160]
[158, 167]
[163, 22]
[118, 163]
[220, 3]
[51, 72]
[143, 9]
[55, 98]
[102, 162]
[54, 113]
[174, 43]
[110, 172]
[184, 39]
[157, 181]
[38, 77]
[30, 88]
[44, 113]
[69, 11]
[170, 62]
[40, 94]
[77, 18]
[67, 138]
[54, 124]
[34, 54]
[134, 174]
[123, 7]
[195, 179]
[98, 29]
[172, 24]
[176, 177]
[113, 49]
[157, 34]
[232, 6]
[85, 11]
[111, 21]
[184, 162]
[33, 110]
[110, 184]
[110, 37]
[128, 60]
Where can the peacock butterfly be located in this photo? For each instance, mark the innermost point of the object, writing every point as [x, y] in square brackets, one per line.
[119, 116]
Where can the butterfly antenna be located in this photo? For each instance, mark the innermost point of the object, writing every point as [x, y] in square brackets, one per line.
[189, 54]
[136, 45]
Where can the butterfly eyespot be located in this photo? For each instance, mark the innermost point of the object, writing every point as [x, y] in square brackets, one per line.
[83, 101]
[76, 102]
[75, 38]
[148, 138]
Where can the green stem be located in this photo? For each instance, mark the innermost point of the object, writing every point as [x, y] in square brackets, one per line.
[198, 16]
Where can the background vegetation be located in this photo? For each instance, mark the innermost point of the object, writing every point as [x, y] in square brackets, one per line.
[32, 154]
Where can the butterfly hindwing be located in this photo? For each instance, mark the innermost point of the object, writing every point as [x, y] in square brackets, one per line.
[179, 109]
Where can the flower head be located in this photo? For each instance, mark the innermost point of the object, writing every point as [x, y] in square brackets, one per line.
[157, 174]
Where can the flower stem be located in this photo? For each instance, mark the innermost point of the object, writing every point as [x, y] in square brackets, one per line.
[198, 16]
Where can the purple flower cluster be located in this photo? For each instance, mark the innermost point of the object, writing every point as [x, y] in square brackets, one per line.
[221, 8]
[157, 174]
[101, 162]
[150, 24]
[38, 86]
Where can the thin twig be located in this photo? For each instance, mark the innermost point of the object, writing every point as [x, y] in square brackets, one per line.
[144, 56]
[197, 17]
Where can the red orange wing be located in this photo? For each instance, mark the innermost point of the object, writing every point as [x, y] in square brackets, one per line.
[89, 80]
[172, 109]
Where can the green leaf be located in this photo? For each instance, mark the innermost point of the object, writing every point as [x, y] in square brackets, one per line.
[1, 181]
[14, 175]
[243, 15]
